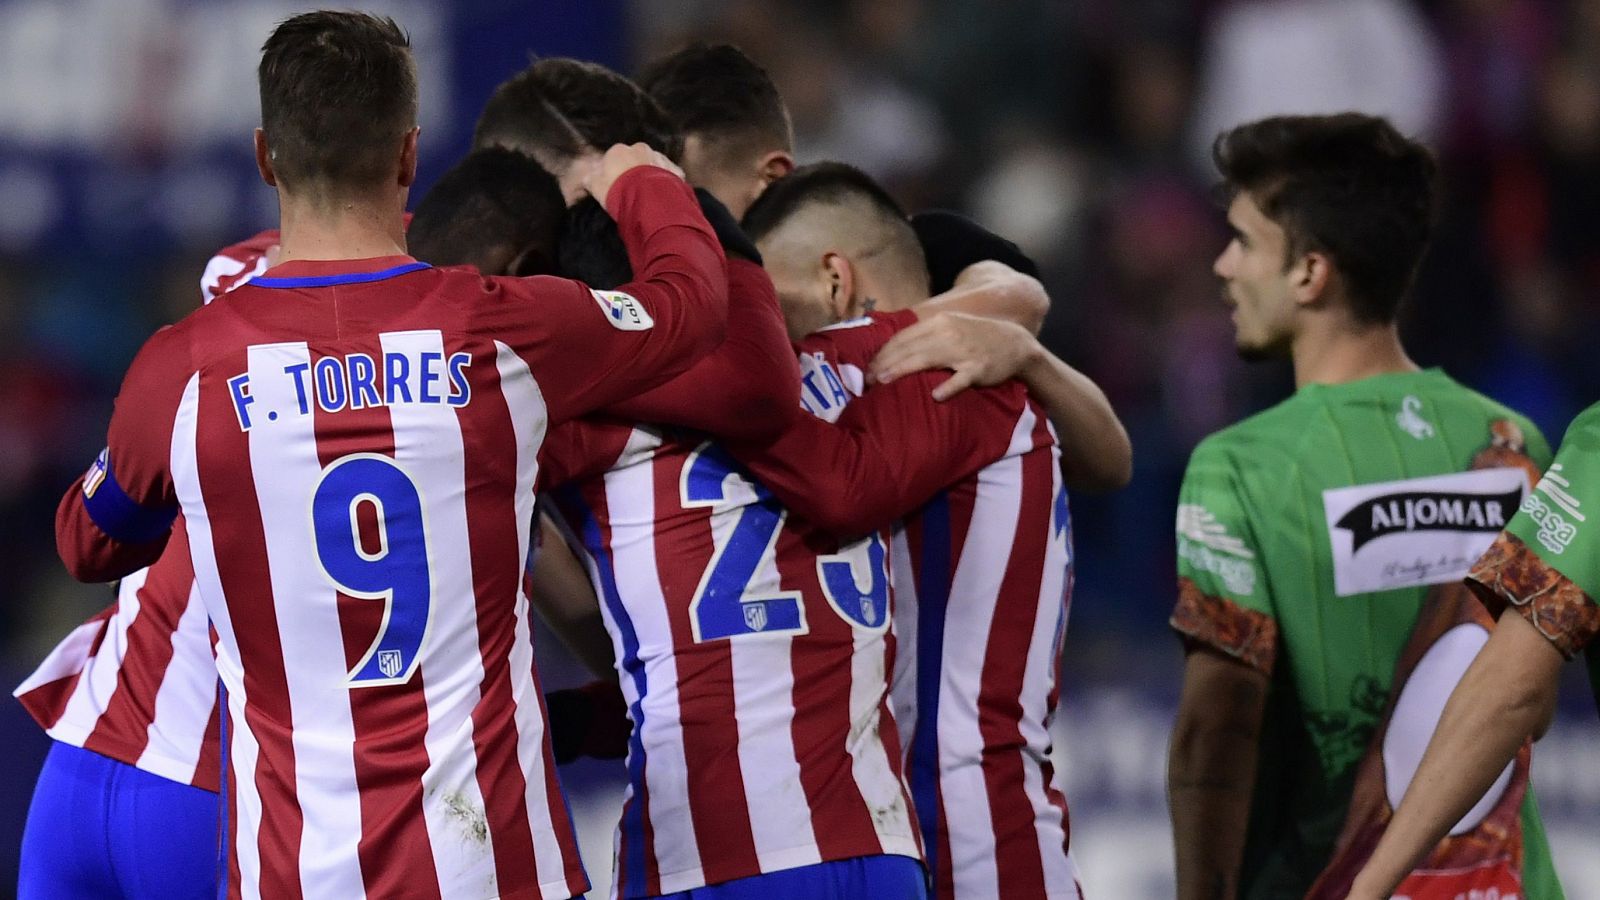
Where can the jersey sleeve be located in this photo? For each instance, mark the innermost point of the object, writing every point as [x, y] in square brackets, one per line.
[749, 387]
[889, 452]
[236, 265]
[117, 517]
[579, 449]
[1224, 601]
[1546, 564]
[589, 348]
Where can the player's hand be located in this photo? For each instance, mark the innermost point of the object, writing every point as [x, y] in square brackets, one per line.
[981, 351]
[620, 159]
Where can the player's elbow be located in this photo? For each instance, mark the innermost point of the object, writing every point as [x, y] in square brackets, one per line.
[1021, 296]
[1108, 469]
[1032, 300]
[758, 417]
[1534, 703]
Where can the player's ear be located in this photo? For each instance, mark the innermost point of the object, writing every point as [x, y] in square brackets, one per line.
[1311, 277]
[840, 284]
[408, 157]
[264, 159]
[773, 166]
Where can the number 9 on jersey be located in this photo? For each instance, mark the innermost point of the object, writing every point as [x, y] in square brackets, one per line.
[389, 563]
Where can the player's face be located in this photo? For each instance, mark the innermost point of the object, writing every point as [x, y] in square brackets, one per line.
[1255, 281]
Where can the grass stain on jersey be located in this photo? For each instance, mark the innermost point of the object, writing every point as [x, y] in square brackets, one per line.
[475, 825]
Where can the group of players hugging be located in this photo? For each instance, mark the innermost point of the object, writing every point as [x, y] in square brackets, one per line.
[710, 435]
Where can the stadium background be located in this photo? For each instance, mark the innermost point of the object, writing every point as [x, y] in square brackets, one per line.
[1077, 127]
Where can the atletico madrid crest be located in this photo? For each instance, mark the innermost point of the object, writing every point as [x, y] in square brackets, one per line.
[390, 662]
[755, 615]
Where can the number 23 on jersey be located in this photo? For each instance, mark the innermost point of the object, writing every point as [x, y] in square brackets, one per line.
[740, 594]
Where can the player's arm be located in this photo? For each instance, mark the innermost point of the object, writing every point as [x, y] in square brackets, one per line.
[1507, 695]
[1224, 615]
[1211, 768]
[889, 452]
[116, 519]
[974, 270]
[560, 590]
[591, 349]
[1540, 578]
[1096, 455]
[749, 387]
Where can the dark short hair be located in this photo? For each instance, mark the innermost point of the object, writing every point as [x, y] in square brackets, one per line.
[564, 106]
[1348, 185]
[590, 248]
[824, 182]
[493, 197]
[338, 93]
[716, 91]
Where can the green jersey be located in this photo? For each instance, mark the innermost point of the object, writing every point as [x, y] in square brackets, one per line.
[1547, 564]
[1309, 536]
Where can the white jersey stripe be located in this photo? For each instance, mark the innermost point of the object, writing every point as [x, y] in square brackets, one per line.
[763, 679]
[630, 499]
[67, 659]
[428, 446]
[882, 791]
[179, 700]
[94, 692]
[528, 422]
[974, 590]
[284, 462]
[242, 751]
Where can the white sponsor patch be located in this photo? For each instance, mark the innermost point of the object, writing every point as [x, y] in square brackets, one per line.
[623, 311]
[1207, 545]
[1557, 513]
[1419, 531]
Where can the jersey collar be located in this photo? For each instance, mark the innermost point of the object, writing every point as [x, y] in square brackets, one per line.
[307, 273]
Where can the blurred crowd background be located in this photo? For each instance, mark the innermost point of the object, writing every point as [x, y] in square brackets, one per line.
[1079, 128]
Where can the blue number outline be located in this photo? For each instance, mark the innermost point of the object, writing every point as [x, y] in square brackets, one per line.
[355, 678]
[718, 495]
[838, 574]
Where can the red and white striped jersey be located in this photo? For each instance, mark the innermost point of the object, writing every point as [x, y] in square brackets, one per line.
[982, 575]
[754, 653]
[353, 446]
[237, 264]
[137, 683]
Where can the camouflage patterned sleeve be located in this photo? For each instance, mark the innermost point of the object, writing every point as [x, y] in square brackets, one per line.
[1546, 564]
[1223, 598]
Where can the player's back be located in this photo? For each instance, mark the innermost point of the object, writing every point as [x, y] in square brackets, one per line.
[981, 575]
[355, 456]
[1309, 536]
[754, 654]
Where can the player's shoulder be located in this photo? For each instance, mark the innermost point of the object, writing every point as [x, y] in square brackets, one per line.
[1476, 412]
[1585, 426]
[856, 341]
[1276, 429]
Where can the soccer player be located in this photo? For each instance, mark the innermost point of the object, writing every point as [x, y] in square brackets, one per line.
[972, 487]
[352, 426]
[562, 112]
[737, 141]
[1545, 568]
[1318, 540]
[129, 699]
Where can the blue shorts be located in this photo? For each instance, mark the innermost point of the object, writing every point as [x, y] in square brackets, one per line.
[858, 878]
[102, 829]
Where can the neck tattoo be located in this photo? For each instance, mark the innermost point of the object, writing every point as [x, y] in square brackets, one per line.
[868, 305]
